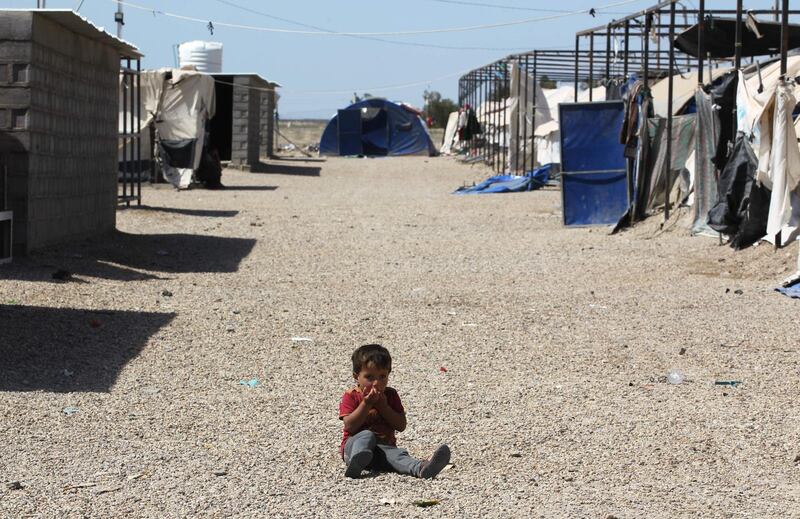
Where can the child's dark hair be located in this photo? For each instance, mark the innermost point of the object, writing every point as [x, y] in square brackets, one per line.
[374, 354]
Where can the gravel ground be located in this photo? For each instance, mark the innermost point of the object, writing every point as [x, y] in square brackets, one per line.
[556, 344]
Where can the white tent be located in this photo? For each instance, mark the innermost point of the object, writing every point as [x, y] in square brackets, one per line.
[450, 134]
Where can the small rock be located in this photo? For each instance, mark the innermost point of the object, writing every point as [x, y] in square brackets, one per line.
[611, 516]
[516, 455]
[569, 479]
[797, 459]
[738, 291]
[166, 293]
[236, 312]
[390, 502]
[220, 472]
[682, 351]
[15, 485]
[70, 410]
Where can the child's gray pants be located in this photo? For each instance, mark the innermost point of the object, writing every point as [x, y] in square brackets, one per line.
[384, 456]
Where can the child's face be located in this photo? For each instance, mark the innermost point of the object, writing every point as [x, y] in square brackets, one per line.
[372, 375]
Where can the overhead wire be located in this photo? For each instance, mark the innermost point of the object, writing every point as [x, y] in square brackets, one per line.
[368, 38]
[384, 33]
[515, 7]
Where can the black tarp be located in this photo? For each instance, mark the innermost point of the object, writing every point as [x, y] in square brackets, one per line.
[723, 95]
[742, 204]
[720, 38]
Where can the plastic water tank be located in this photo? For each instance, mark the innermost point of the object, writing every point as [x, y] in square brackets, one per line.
[205, 55]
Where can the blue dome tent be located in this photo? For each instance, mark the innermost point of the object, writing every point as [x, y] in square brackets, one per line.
[376, 127]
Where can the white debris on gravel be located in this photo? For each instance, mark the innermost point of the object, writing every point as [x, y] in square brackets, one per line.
[551, 398]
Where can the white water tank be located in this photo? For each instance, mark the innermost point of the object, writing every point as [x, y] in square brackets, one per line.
[205, 55]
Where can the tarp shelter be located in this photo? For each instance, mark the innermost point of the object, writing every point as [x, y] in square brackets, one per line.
[594, 180]
[376, 127]
[547, 139]
[759, 38]
[178, 103]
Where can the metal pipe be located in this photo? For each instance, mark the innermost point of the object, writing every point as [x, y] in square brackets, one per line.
[525, 115]
[784, 36]
[627, 49]
[608, 55]
[139, 127]
[577, 52]
[533, 114]
[591, 66]
[646, 73]
[668, 173]
[520, 110]
[701, 47]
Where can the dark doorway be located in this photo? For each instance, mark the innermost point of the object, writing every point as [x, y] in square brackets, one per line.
[221, 125]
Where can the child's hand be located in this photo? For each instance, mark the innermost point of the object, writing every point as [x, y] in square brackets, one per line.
[373, 397]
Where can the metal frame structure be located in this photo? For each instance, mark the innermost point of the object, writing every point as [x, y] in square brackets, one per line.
[130, 137]
[646, 49]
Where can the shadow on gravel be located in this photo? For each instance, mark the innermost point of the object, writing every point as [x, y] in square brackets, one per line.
[250, 188]
[286, 169]
[68, 350]
[122, 256]
[209, 213]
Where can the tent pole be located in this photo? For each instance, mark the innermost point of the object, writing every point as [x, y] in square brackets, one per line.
[497, 94]
[591, 65]
[516, 137]
[784, 36]
[647, 21]
[701, 48]
[627, 48]
[506, 92]
[525, 119]
[533, 114]
[608, 58]
[577, 52]
[668, 172]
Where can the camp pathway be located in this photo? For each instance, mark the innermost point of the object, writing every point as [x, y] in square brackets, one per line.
[192, 363]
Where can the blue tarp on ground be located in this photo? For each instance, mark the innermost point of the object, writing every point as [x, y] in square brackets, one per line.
[792, 291]
[509, 183]
[594, 181]
[387, 129]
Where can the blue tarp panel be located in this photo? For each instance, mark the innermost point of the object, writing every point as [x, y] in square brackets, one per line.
[349, 129]
[594, 182]
[792, 291]
[386, 129]
[509, 183]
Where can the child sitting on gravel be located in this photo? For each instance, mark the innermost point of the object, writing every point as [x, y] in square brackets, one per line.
[372, 412]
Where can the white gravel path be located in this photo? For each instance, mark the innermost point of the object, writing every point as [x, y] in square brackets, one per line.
[556, 343]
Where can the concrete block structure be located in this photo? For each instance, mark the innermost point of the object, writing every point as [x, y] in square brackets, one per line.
[59, 109]
[242, 127]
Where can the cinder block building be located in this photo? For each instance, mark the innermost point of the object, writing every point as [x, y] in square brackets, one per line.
[242, 127]
[59, 112]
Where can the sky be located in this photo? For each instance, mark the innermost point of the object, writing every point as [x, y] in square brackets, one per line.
[319, 73]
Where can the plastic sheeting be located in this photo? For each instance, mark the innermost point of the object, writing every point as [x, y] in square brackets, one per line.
[527, 107]
[782, 174]
[720, 38]
[594, 183]
[683, 129]
[705, 178]
[507, 183]
[450, 134]
[742, 205]
[178, 103]
[388, 129]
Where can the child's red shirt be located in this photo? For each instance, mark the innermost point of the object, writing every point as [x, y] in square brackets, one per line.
[374, 422]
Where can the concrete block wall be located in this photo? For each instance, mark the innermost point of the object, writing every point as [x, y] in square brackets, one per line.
[60, 131]
[246, 135]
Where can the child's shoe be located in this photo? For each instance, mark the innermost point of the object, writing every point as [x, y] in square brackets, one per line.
[359, 462]
[440, 458]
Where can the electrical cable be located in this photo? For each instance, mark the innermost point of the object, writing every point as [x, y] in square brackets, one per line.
[404, 43]
[388, 33]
